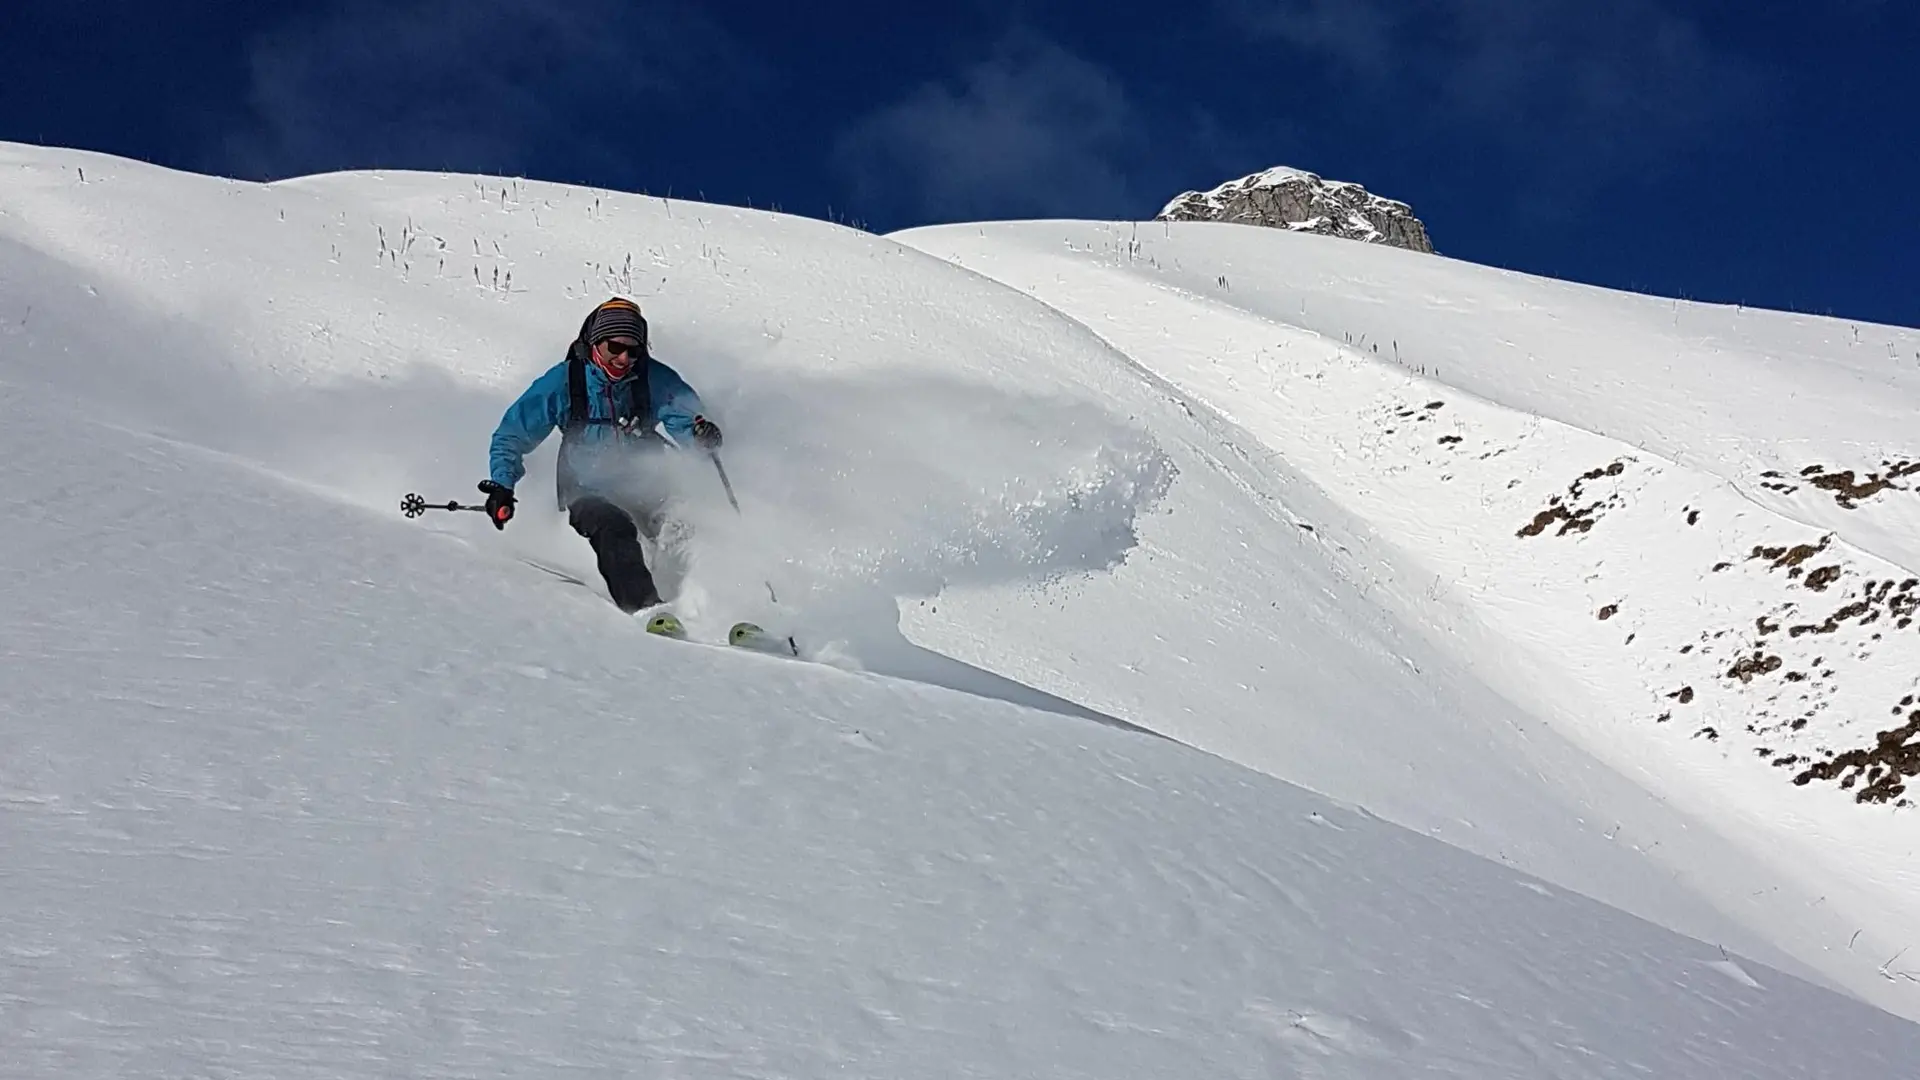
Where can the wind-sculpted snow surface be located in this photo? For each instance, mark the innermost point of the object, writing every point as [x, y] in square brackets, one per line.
[293, 787]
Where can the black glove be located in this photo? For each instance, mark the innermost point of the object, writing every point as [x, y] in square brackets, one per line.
[706, 433]
[499, 503]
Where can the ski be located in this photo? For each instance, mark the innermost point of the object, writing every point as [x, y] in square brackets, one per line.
[743, 635]
[667, 624]
[746, 635]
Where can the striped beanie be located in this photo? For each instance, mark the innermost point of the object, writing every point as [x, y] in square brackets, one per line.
[618, 317]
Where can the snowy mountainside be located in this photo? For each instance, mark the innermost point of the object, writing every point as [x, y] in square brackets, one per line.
[1680, 532]
[286, 794]
[899, 428]
[296, 787]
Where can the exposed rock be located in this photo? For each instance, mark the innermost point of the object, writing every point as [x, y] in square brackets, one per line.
[1284, 198]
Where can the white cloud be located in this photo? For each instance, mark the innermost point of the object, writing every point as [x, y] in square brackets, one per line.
[1032, 130]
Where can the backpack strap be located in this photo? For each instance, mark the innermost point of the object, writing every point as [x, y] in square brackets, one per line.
[578, 409]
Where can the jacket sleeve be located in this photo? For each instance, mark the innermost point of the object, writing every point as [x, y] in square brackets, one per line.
[526, 424]
[674, 402]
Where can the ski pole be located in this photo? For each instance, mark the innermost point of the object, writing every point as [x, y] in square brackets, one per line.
[413, 506]
[714, 456]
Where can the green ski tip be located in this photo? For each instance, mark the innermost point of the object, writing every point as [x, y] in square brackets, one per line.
[747, 635]
[667, 624]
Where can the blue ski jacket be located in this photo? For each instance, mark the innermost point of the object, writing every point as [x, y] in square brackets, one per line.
[616, 424]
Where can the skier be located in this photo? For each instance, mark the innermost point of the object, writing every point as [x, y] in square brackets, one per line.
[605, 397]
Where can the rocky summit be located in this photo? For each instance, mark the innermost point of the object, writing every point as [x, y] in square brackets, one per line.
[1284, 198]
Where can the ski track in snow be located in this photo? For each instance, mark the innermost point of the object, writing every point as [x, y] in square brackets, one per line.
[294, 787]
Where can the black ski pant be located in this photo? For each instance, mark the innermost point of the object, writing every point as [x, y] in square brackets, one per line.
[616, 544]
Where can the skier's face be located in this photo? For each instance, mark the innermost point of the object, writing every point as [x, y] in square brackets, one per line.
[616, 355]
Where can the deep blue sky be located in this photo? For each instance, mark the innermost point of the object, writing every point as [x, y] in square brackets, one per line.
[1761, 151]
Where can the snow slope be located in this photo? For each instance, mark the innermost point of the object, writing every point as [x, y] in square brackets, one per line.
[901, 429]
[292, 786]
[1620, 511]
